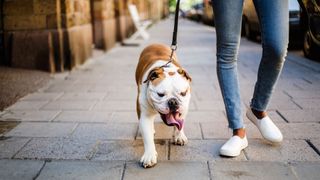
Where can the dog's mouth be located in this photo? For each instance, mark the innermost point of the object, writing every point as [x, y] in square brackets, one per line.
[173, 119]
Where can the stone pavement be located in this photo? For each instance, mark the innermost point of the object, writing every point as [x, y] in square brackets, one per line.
[83, 125]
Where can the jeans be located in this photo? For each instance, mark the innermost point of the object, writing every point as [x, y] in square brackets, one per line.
[274, 24]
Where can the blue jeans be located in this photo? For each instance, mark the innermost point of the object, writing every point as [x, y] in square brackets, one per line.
[274, 24]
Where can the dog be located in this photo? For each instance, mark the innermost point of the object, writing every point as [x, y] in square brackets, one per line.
[163, 88]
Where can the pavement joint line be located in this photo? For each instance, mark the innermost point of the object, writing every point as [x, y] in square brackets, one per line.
[310, 82]
[293, 59]
[296, 104]
[39, 172]
[293, 171]
[285, 119]
[169, 149]
[124, 170]
[92, 106]
[286, 93]
[246, 155]
[13, 156]
[201, 130]
[209, 171]
[95, 148]
[137, 133]
[313, 146]
[55, 116]
[297, 86]
[41, 108]
[74, 129]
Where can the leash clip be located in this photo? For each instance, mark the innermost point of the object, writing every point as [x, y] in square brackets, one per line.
[173, 48]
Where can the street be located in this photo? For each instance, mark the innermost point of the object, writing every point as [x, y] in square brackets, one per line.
[83, 124]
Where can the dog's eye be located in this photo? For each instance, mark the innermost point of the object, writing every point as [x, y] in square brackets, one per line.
[184, 93]
[160, 94]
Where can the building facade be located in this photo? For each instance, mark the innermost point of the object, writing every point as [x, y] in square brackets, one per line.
[57, 35]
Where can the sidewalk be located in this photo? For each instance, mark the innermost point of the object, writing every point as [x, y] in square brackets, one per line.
[83, 125]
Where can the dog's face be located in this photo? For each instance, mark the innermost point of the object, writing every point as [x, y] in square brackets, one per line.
[169, 93]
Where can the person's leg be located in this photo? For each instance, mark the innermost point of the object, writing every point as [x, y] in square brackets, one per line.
[274, 22]
[228, 15]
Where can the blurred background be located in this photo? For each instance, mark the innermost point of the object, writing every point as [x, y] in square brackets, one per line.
[40, 38]
[58, 35]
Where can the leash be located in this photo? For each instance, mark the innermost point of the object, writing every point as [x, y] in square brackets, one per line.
[174, 45]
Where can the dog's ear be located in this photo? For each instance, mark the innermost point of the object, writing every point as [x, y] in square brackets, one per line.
[154, 74]
[184, 74]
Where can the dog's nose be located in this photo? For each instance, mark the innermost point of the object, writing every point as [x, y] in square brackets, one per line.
[173, 104]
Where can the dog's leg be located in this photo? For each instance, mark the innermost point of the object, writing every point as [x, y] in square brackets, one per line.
[180, 138]
[146, 126]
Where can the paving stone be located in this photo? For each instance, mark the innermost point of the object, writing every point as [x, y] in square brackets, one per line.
[162, 131]
[101, 88]
[276, 118]
[17, 169]
[250, 170]
[115, 105]
[316, 143]
[109, 131]
[308, 103]
[207, 116]
[200, 150]
[84, 116]
[10, 146]
[210, 105]
[282, 104]
[29, 115]
[303, 94]
[41, 96]
[124, 117]
[287, 151]
[57, 148]
[79, 88]
[69, 105]
[83, 96]
[27, 105]
[128, 150]
[122, 95]
[205, 93]
[192, 105]
[81, 170]
[307, 170]
[301, 116]
[193, 130]
[216, 130]
[168, 170]
[27, 129]
[300, 130]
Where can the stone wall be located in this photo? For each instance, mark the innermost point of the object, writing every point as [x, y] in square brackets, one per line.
[2, 59]
[104, 23]
[55, 35]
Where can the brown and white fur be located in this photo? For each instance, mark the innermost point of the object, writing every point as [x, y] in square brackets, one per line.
[161, 90]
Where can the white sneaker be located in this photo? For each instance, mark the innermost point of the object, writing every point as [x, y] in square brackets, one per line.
[234, 146]
[266, 127]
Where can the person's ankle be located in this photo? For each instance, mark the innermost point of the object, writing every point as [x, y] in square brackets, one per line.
[239, 132]
[259, 114]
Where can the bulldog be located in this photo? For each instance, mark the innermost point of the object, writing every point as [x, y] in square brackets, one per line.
[163, 88]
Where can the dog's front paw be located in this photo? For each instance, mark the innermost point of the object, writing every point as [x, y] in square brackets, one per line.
[180, 139]
[149, 159]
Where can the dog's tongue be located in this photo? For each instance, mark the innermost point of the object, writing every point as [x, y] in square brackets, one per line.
[173, 119]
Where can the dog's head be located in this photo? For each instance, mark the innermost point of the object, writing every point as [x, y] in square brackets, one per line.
[169, 93]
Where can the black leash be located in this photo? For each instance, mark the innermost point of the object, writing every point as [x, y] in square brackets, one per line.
[174, 45]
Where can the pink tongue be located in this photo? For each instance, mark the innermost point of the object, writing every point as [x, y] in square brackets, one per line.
[173, 119]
